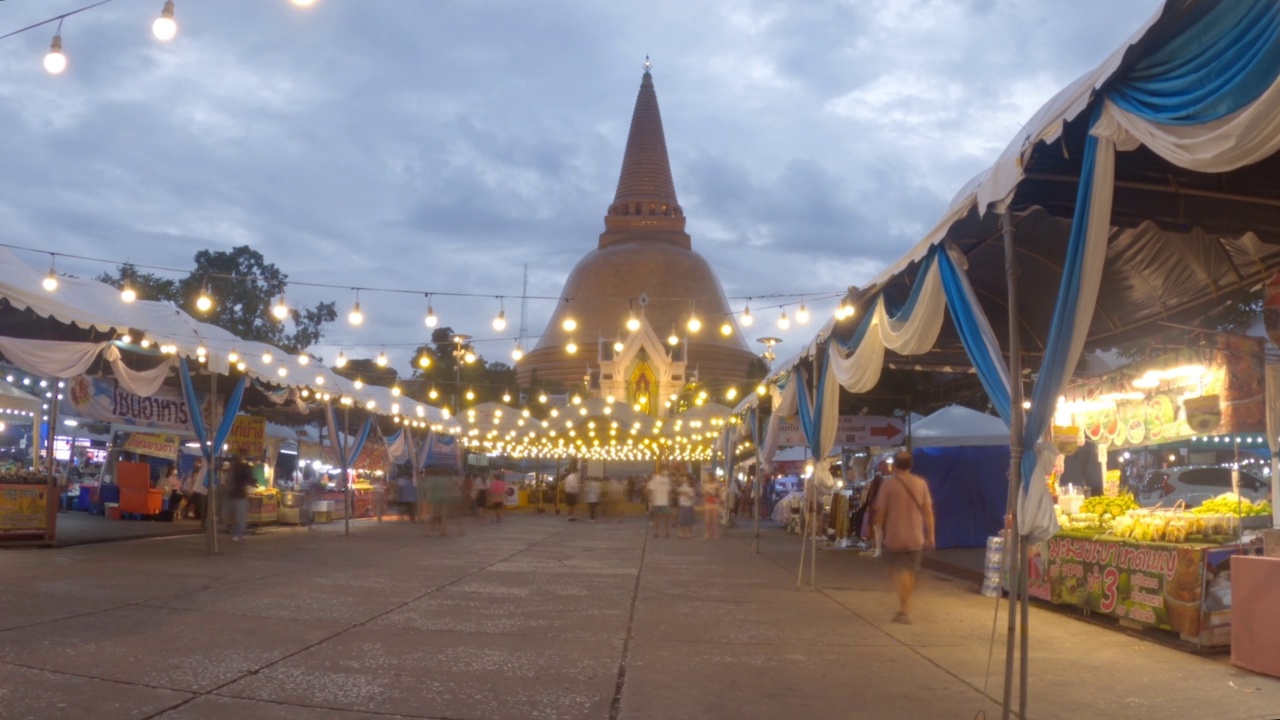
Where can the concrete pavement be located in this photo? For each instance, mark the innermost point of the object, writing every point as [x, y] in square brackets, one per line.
[541, 618]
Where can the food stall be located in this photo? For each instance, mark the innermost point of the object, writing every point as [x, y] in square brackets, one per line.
[1157, 567]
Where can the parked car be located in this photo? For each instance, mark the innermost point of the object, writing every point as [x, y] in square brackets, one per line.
[1195, 484]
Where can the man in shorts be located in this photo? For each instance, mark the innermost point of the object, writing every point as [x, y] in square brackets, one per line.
[572, 486]
[659, 489]
[904, 518]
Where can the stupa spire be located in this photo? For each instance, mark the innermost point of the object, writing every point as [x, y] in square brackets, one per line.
[646, 196]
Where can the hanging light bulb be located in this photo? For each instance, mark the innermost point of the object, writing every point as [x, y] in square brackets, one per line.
[267, 358]
[673, 339]
[517, 353]
[304, 359]
[726, 329]
[50, 282]
[802, 315]
[202, 350]
[783, 321]
[618, 346]
[433, 394]
[424, 361]
[395, 390]
[632, 323]
[506, 396]
[304, 3]
[340, 361]
[500, 322]
[280, 310]
[204, 303]
[55, 62]
[355, 317]
[382, 359]
[731, 393]
[572, 347]
[358, 383]
[431, 319]
[469, 357]
[542, 398]
[128, 294]
[694, 324]
[146, 343]
[569, 324]
[282, 371]
[241, 366]
[319, 379]
[471, 394]
[165, 27]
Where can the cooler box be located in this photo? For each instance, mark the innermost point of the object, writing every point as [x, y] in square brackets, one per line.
[322, 511]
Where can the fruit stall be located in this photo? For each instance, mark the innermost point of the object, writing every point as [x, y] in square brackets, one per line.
[1149, 567]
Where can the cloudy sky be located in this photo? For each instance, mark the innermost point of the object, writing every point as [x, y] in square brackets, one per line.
[441, 145]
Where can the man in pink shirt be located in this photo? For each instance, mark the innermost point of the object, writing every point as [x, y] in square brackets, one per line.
[904, 519]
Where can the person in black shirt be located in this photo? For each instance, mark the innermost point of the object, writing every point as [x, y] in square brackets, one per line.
[241, 479]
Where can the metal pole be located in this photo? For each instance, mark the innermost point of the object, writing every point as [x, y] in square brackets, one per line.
[211, 456]
[51, 484]
[804, 541]
[1014, 557]
[755, 439]
[346, 473]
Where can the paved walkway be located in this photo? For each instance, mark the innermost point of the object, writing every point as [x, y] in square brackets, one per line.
[539, 618]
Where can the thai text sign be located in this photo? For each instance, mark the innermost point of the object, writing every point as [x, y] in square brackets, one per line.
[22, 510]
[1149, 583]
[248, 436]
[104, 399]
[164, 446]
[856, 430]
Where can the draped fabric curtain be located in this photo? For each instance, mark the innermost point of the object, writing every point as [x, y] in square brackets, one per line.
[209, 448]
[139, 382]
[1206, 100]
[784, 405]
[975, 331]
[51, 358]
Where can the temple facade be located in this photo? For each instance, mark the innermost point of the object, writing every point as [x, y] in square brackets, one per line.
[627, 305]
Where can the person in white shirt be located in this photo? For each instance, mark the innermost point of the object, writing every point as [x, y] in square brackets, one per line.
[659, 489]
[591, 493]
[572, 486]
[687, 498]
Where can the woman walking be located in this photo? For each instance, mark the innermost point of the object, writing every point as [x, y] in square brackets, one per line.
[711, 508]
[686, 496]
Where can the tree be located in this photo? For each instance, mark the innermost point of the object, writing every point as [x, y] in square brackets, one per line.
[368, 371]
[243, 286]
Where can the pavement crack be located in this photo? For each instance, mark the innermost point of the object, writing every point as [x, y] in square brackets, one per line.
[615, 707]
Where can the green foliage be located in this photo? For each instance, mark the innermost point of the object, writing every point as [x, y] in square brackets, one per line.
[147, 285]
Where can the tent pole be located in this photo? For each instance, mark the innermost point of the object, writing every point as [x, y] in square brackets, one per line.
[211, 472]
[1014, 559]
[803, 540]
[52, 498]
[755, 440]
[346, 474]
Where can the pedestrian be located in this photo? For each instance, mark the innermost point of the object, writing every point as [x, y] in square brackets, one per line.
[497, 497]
[659, 489]
[904, 519]
[591, 495]
[631, 488]
[199, 490]
[572, 486]
[238, 494]
[480, 486]
[686, 498]
[380, 491]
[711, 491]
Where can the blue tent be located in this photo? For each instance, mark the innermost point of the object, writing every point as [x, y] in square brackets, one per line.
[964, 456]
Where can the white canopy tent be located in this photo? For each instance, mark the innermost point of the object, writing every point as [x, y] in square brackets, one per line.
[959, 426]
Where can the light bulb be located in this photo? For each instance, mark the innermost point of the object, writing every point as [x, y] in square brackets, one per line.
[355, 317]
[146, 343]
[802, 315]
[569, 324]
[128, 294]
[304, 3]
[783, 321]
[50, 282]
[506, 397]
[746, 319]
[618, 346]
[431, 319]
[280, 310]
[358, 383]
[517, 353]
[304, 359]
[382, 359]
[267, 358]
[469, 357]
[282, 371]
[55, 62]
[319, 379]
[165, 27]
[241, 366]
[424, 361]
[500, 322]
[542, 398]
[433, 394]
[673, 340]
[204, 303]
[731, 393]
[340, 361]
[395, 390]
[726, 329]
[633, 324]
[470, 394]
[694, 324]
[571, 348]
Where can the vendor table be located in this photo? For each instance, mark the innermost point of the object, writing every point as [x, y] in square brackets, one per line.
[1255, 629]
[361, 500]
[264, 507]
[1180, 587]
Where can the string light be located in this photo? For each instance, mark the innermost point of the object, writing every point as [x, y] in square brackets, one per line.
[471, 394]
[500, 322]
[618, 346]
[726, 329]
[506, 396]
[280, 310]
[355, 317]
[382, 359]
[694, 324]
[55, 62]
[50, 282]
[267, 358]
[517, 353]
[673, 339]
[340, 361]
[632, 323]
[165, 27]
[569, 324]
[469, 357]
[433, 394]
[783, 321]
[431, 320]
[304, 359]
[204, 303]
[572, 347]
[128, 294]
[802, 315]
[304, 3]
[395, 390]
[358, 383]
[746, 319]
[424, 360]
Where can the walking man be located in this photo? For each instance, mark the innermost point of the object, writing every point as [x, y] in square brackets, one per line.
[659, 489]
[904, 518]
[241, 479]
[572, 486]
